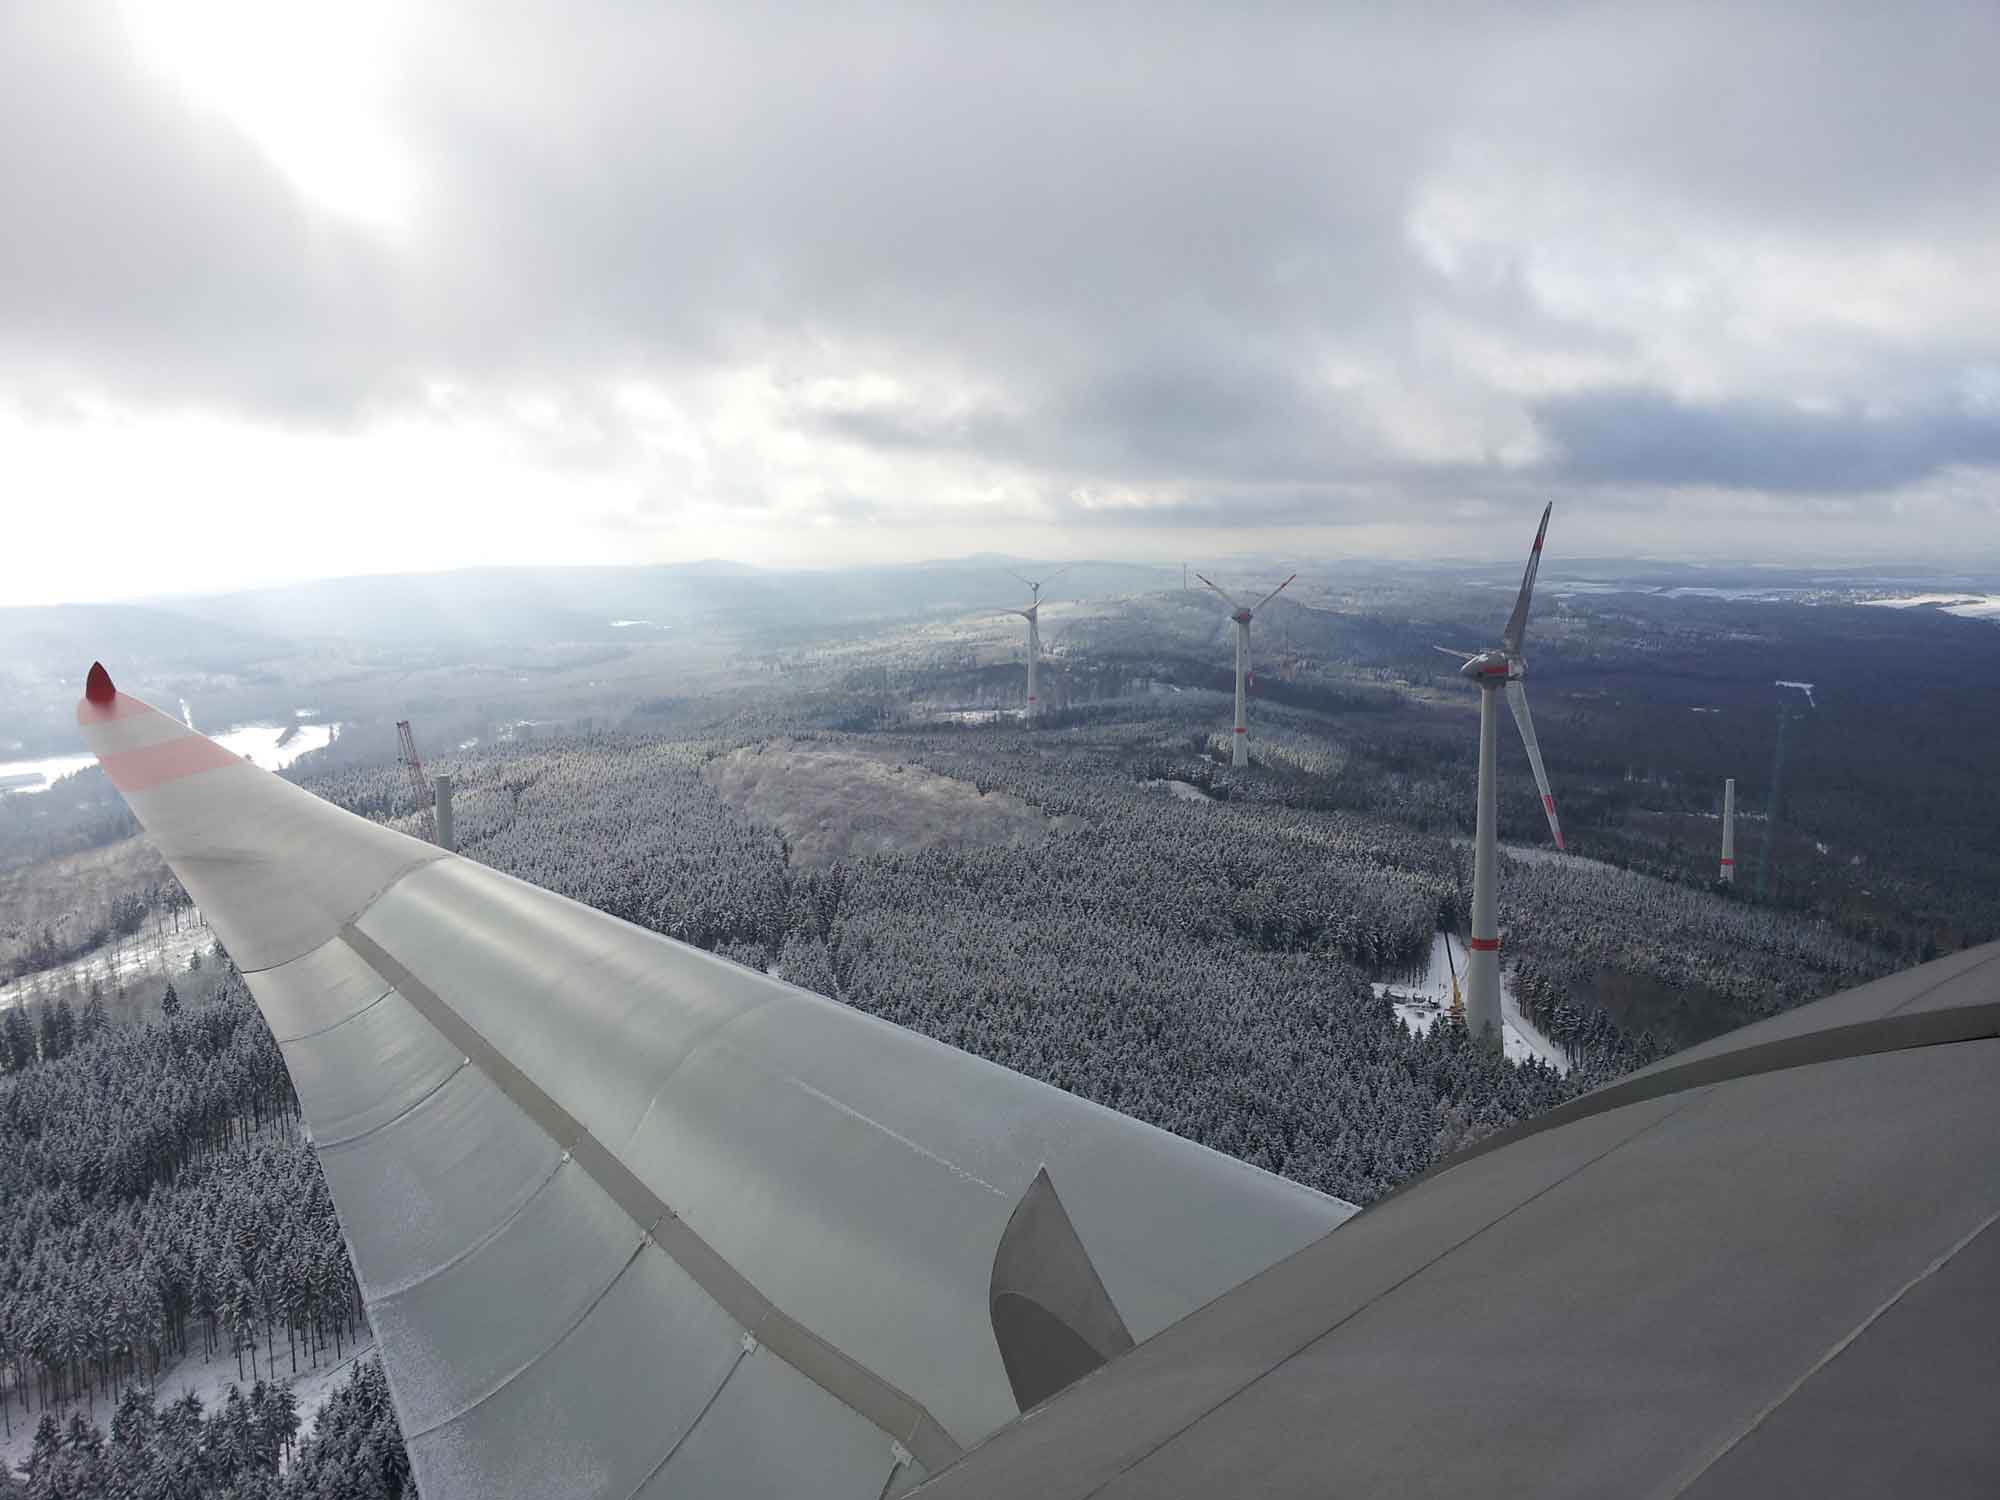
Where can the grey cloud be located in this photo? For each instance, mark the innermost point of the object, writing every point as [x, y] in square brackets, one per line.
[1147, 237]
[1197, 414]
[1640, 436]
[151, 251]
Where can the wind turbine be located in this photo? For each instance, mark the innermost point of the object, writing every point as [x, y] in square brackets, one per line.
[1497, 671]
[1032, 614]
[1239, 751]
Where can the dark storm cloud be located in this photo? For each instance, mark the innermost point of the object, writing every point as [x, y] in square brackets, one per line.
[1637, 436]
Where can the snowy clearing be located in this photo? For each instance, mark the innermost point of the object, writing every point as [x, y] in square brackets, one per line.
[210, 1381]
[1422, 1001]
[1184, 791]
[275, 746]
[833, 805]
[143, 958]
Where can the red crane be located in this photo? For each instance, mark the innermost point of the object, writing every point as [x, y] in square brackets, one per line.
[420, 786]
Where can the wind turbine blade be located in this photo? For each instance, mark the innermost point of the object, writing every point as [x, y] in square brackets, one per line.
[1454, 651]
[1212, 584]
[1517, 699]
[1272, 595]
[1517, 626]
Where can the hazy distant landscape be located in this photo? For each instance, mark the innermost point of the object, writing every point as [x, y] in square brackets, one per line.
[836, 784]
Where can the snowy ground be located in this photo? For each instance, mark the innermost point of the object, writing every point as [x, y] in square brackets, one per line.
[210, 1380]
[1971, 606]
[141, 959]
[1182, 791]
[1421, 1001]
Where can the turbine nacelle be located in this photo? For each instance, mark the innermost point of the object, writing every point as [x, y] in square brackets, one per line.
[1493, 666]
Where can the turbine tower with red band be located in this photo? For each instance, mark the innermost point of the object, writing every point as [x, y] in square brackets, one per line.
[1032, 614]
[1729, 831]
[1239, 750]
[1496, 672]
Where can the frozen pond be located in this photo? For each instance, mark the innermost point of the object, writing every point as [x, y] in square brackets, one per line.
[40, 775]
[260, 742]
[1421, 1000]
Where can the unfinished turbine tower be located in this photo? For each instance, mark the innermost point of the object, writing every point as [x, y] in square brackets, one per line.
[1728, 876]
[1239, 750]
[1498, 671]
[1032, 614]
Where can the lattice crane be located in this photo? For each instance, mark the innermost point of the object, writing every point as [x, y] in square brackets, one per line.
[420, 786]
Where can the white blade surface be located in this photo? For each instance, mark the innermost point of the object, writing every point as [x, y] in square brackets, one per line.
[1517, 624]
[1272, 595]
[1517, 699]
[631, 1220]
[1218, 588]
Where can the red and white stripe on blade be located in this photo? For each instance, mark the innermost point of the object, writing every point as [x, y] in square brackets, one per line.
[1517, 624]
[1517, 699]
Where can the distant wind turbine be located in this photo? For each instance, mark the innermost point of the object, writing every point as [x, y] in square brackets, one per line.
[1496, 671]
[1032, 614]
[1239, 753]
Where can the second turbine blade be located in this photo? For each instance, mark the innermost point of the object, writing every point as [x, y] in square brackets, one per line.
[1517, 699]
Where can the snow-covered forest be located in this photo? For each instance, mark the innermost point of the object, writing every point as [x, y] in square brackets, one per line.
[1098, 901]
[1201, 964]
[164, 1225]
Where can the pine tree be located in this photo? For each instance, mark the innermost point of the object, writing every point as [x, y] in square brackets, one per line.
[52, 1033]
[95, 1020]
[17, 1040]
[170, 1003]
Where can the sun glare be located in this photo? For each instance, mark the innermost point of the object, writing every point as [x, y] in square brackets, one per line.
[306, 83]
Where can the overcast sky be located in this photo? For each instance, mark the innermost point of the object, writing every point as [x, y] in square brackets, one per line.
[372, 286]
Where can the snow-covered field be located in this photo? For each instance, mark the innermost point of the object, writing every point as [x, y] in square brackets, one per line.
[1971, 606]
[1422, 1001]
[262, 742]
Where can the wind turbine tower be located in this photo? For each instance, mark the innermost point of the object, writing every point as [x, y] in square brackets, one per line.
[1032, 614]
[1496, 672]
[1729, 831]
[1239, 750]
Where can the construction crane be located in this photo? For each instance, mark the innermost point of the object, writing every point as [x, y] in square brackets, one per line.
[420, 786]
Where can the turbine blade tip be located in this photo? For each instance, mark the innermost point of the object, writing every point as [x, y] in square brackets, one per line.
[97, 687]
